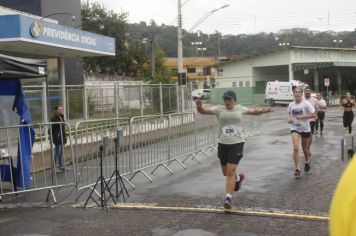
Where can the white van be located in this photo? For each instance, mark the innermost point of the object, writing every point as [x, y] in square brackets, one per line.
[280, 92]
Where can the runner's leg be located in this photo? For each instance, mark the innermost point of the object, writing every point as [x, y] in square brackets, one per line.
[230, 177]
[344, 120]
[305, 147]
[296, 139]
[351, 118]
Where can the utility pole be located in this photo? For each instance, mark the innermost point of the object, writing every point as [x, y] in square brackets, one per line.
[153, 57]
[180, 54]
[180, 44]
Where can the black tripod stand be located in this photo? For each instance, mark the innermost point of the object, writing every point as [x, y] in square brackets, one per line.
[103, 185]
[117, 177]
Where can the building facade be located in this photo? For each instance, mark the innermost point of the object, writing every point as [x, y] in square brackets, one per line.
[202, 71]
[308, 64]
[43, 8]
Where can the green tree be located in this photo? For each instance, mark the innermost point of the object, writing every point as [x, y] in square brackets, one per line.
[97, 19]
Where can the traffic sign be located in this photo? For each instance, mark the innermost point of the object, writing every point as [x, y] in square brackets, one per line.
[326, 82]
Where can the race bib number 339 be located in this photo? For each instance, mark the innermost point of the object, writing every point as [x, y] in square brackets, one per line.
[229, 130]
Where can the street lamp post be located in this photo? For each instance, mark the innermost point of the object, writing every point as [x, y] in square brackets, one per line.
[202, 50]
[337, 41]
[284, 44]
[180, 44]
[196, 46]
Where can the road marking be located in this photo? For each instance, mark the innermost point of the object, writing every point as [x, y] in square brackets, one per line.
[221, 210]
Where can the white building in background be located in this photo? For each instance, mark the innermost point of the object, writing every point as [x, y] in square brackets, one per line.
[307, 64]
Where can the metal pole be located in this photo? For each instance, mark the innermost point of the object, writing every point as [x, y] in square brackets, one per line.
[45, 108]
[160, 98]
[116, 97]
[177, 92]
[183, 98]
[153, 61]
[63, 85]
[180, 44]
[141, 99]
[85, 102]
[191, 97]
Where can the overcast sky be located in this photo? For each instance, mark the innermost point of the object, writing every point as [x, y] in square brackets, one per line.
[248, 16]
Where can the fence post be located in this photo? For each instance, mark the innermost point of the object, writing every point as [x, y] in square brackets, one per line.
[141, 100]
[177, 92]
[160, 99]
[85, 102]
[67, 104]
[116, 97]
[169, 138]
[195, 133]
[183, 97]
[130, 146]
[44, 109]
[191, 97]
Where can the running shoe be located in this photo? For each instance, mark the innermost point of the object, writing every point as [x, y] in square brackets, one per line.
[227, 203]
[239, 183]
[307, 167]
[297, 172]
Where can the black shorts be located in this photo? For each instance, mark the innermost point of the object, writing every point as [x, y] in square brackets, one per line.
[312, 126]
[230, 153]
[321, 115]
[302, 134]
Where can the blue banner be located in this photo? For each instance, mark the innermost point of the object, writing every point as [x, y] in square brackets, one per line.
[22, 173]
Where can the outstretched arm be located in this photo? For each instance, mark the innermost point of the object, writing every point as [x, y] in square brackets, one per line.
[256, 112]
[202, 110]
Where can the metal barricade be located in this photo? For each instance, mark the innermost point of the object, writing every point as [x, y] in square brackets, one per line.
[36, 168]
[89, 137]
[206, 132]
[347, 147]
[149, 143]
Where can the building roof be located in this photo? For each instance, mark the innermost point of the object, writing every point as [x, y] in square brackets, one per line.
[190, 61]
[237, 59]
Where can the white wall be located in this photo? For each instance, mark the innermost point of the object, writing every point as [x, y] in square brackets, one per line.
[252, 70]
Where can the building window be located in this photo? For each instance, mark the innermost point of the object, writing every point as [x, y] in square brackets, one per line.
[220, 70]
[241, 84]
[233, 84]
[191, 70]
[247, 83]
[206, 71]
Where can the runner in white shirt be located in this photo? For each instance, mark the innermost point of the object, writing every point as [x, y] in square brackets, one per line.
[299, 113]
[320, 111]
[312, 121]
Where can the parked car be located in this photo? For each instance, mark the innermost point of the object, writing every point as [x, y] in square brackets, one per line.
[201, 94]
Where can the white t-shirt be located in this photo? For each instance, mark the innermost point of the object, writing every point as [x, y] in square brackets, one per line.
[302, 108]
[313, 102]
[230, 124]
[320, 105]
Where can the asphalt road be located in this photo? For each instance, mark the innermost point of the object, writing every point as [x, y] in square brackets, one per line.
[270, 187]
